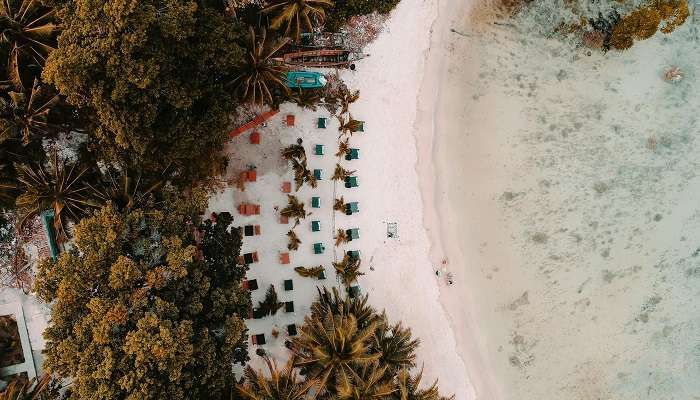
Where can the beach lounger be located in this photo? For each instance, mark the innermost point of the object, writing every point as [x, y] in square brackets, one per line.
[248, 258]
[322, 275]
[286, 187]
[288, 284]
[353, 233]
[322, 123]
[255, 137]
[288, 306]
[292, 329]
[284, 219]
[290, 120]
[315, 226]
[353, 254]
[251, 230]
[251, 284]
[353, 291]
[284, 258]
[249, 209]
[351, 182]
[317, 174]
[315, 202]
[318, 149]
[319, 248]
[258, 339]
[361, 126]
[353, 155]
[249, 176]
[352, 208]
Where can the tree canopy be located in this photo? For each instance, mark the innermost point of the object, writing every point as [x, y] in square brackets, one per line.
[154, 74]
[143, 311]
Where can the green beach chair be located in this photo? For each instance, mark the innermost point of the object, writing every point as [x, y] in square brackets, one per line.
[351, 208]
[354, 291]
[318, 149]
[361, 126]
[353, 155]
[315, 202]
[322, 123]
[315, 226]
[319, 248]
[317, 174]
[353, 233]
[351, 182]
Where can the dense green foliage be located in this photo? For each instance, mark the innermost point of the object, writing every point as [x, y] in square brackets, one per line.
[154, 74]
[343, 10]
[141, 310]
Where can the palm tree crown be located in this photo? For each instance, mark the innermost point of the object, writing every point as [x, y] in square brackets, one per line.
[332, 343]
[296, 15]
[28, 27]
[61, 187]
[259, 76]
[25, 115]
[409, 388]
[280, 385]
[369, 381]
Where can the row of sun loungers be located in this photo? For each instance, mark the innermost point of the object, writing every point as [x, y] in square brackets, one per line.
[247, 209]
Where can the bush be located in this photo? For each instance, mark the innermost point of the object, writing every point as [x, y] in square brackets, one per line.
[343, 10]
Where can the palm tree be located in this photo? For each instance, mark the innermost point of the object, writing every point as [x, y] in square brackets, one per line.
[296, 15]
[339, 204]
[280, 385]
[306, 98]
[369, 381]
[348, 270]
[396, 345]
[294, 241]
[333, 302]
[294, 152]
[409, 388]
[313, 272]
[341, 173]
[295, 209]
[258, 76]
[348, 125]
[346, 98]
[61, 187]
[28, 27]
[124, 190]
[341, 237]
[32, 389]
[343, 148]
[330, 344]
[25, 115]
[270, 304]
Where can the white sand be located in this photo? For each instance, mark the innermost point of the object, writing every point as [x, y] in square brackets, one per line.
[403, 281]
[567, 191]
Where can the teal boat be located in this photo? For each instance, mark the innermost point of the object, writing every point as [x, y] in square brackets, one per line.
[305, 80]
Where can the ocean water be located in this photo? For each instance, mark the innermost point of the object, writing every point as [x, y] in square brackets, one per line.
[571, 191]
